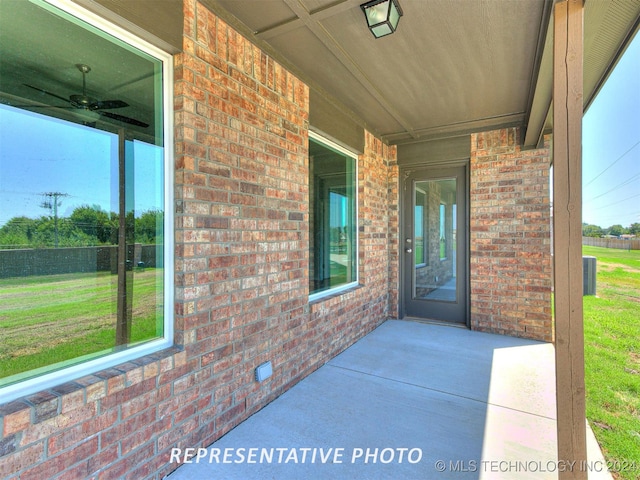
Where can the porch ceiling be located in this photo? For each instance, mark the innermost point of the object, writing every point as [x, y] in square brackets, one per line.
[451, 68]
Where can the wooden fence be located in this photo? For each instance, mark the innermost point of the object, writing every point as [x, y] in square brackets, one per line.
[631, 244]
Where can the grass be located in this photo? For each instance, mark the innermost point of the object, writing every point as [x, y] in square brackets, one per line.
[50, 319]
[612, 357]
[419, 259]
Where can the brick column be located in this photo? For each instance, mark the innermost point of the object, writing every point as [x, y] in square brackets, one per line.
[510, 231]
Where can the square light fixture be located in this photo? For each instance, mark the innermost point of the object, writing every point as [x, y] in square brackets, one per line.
[382, 16]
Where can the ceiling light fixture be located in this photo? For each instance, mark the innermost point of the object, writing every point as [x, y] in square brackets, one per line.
[382, 16]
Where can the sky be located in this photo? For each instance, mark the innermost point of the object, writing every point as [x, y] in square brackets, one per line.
[42, 154]
[611, 147]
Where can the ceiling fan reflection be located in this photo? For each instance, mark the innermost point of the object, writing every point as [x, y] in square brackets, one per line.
[85, 102]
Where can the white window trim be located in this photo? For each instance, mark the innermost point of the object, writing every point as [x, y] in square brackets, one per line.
[339, 289]
[58, 377]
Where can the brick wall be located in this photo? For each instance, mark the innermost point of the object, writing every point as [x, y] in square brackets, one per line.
[241, 268]
[242, 213]
[510, 237]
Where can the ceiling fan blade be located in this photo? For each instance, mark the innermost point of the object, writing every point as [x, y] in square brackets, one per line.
[108, 104]
[124, 119]
[39, 106]
[46, 92]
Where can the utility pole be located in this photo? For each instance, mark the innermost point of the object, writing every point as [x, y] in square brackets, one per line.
[52, 202]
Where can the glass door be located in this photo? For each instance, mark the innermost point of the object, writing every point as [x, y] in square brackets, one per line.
[435, 246]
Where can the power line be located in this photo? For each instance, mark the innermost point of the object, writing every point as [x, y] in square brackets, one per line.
[629, 180]
[616, 161]
[615, 203]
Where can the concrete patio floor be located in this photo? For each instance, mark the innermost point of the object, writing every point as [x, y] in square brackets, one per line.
[437, 402]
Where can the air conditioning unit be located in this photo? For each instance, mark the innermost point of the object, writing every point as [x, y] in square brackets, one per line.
[588, 275]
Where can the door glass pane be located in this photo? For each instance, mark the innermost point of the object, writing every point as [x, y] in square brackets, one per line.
[420, 222]
[434, 239]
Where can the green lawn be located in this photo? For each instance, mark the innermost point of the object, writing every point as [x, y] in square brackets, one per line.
[612, 356]
[56, 318]
[419, 259]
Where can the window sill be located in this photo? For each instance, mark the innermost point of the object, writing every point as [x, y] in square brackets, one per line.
[332, 295]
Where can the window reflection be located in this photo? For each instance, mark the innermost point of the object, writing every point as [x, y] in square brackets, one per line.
[435, 213]
[332, 218]
[81, 193]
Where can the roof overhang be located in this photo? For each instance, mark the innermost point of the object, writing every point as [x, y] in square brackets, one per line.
[609, 28]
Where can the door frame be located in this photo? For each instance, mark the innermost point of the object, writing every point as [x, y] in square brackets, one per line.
[404, 194]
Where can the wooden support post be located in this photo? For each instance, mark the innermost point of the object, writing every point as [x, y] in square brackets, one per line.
[567, 239]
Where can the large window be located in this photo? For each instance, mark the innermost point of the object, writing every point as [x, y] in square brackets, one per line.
[85, 194]
[333, 218]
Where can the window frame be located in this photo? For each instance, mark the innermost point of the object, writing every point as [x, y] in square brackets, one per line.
[57, 377]
[341, 288]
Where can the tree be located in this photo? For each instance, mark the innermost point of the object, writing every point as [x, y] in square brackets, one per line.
[60, 233]
[18, 232]
[86, 226]
[591, 231]
[149, 227]
[634, 229]
[616, 230]
[94, 222]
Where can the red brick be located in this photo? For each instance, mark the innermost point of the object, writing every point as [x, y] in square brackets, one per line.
[128, 393]
[147, 433]
[55, 424]
[17, 421]
[121, 429]
[21, 459]
[510, 235]
[57, 464]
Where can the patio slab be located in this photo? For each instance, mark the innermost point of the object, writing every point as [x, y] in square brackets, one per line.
[412, 401]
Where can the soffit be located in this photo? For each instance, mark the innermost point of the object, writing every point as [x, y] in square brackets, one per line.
[609, 27]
